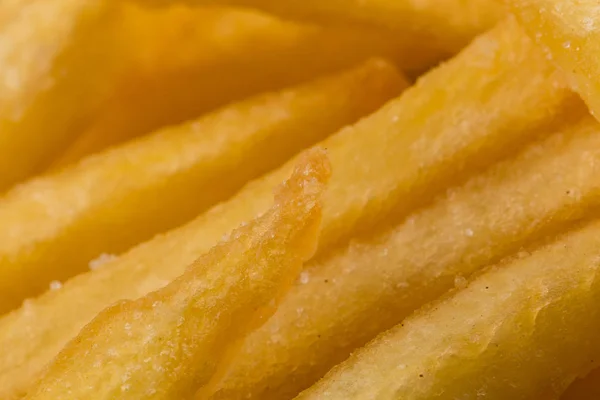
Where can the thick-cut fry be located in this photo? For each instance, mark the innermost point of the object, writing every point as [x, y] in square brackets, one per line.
[449, 24]
[458, 118]
[166, 344]
[521, 331]
[114, 200]
[58, 61]
[221, 55]
[570, 32]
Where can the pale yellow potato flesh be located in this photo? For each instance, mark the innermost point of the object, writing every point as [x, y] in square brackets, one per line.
[523, 330]
[447, 24]
[569, 31]
[58, 62]
[166, 344]
[457, 119]
[189, 61]
[112, 201]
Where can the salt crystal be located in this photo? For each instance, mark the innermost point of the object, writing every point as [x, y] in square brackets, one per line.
[567, 44]
[304, 277]
[469, 232]
[55, 285]
[101, 260]
[588, 23]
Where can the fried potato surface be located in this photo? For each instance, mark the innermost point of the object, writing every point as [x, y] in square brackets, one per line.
[165, 344]
[524, 330]
[449, 24]
[58, 62]
[346, 298]
[447, 126]
[114, 200]
[191, 60]
[570, 33]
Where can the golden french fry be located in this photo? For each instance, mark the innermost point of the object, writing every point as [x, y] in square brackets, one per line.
[524, 330]
[221, 55]
[114, 200]
[449, 24]
[166, 344]
[458, 118]
[59, 61]
[569, 32]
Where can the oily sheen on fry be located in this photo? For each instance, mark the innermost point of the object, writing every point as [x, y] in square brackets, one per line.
[194, 60]
[444, 128]
[524, 330]
[116, 199]
[169, 342]
[569, 31]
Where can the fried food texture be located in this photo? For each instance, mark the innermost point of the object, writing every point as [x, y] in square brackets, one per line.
[569, 32]
[384, 167]
[522, 330]
[103, 204]
[166, 344]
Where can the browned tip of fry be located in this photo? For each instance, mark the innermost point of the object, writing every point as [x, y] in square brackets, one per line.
[206, 311]
[303, 190]
[311, 173]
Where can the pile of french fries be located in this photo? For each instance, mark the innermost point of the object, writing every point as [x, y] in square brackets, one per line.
[299, 199]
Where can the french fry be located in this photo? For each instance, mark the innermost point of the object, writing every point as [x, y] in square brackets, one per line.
[449, 24]
[103, 204]
[165, 344]
[457, 119]
[58, 62]
[569, 32]
[190, 61]
[523, 330]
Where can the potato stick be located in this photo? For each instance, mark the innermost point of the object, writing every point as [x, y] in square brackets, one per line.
[228, 54]
[164, 345]
[523, 330]
[449, 24]
[459, 117]
[586, 388]
[58, 61]
[568, 30]
[103, 203]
